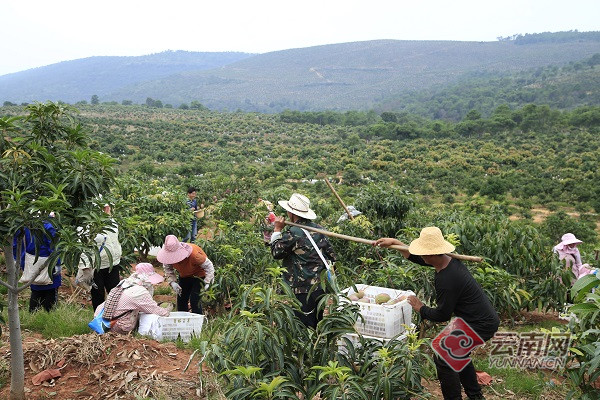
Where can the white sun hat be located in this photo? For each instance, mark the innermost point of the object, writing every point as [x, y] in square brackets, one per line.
[298, 205]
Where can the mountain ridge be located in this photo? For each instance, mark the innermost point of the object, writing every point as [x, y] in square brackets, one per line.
[343, 76]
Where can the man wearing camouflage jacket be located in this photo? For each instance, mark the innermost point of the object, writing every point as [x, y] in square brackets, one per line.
[300, 258]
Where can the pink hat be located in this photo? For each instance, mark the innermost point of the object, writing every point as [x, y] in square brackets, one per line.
[567, 238]
[173, 251]
[148, 270]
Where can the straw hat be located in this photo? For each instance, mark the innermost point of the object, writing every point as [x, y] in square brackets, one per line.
[173, 251]
[199, 213]
[430, 242]
[148, 271]
[566, 239]
[298, 205]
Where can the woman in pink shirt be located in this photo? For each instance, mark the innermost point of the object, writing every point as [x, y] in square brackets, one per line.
[567, 250]
[130, 297]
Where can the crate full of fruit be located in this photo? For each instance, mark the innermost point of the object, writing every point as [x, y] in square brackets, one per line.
[385, 312]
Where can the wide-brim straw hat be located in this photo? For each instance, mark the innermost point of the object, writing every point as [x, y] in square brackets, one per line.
[566, 239]
[173, 251]
[298, 205]
[430, 242]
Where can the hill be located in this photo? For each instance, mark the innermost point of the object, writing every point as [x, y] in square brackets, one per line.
[572, 85]
[358, 75]
[77, 80]
[350, 75]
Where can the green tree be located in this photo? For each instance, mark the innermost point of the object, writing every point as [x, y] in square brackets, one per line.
[47, 166]
[195, 105]
[95, 100]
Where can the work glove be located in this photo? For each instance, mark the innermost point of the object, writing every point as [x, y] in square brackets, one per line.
[207, 282]
[85, 278]
[176, 288]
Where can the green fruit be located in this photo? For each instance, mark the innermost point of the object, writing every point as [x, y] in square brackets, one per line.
[360, 294]
[382, 298]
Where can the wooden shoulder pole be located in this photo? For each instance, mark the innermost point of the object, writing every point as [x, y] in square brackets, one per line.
[339, 199]
[371, 242]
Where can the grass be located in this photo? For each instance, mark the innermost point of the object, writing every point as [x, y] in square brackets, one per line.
[63, 321]
[529, 384]
[546, 324]
[163, 290]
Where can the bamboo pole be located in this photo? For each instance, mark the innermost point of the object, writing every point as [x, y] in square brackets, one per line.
[372, 242]
[339, 199]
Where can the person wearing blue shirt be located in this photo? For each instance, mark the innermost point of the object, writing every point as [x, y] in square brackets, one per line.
[41, 295]
[192, 204]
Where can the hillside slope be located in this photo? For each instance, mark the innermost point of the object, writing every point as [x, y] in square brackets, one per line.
[358, 75]
[350, 75]
[76, 80]
[573, 85]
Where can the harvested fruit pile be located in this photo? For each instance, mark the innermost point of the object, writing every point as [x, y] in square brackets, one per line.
[110, 366]
[381, 298]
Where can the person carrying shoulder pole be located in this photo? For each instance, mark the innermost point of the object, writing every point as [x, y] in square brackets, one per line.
[304, 255]
[458, 293]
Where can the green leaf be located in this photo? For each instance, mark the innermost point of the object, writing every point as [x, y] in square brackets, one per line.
[583, 286]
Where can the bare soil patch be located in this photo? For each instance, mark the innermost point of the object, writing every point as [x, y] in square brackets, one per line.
[108, 366]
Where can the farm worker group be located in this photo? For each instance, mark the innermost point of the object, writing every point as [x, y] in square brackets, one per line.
[133, 295]
[305, 256]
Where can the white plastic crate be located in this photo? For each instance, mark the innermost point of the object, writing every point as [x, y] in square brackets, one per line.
[177, 324]
[381, 320]
[354, 338]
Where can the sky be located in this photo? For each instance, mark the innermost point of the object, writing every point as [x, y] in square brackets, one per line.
[36, 33]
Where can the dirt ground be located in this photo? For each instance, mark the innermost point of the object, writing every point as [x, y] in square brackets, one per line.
[108, 366]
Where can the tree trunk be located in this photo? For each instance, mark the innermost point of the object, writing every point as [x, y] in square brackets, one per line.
[17, 364]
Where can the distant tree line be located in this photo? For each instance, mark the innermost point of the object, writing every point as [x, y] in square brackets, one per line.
[150, 102]
[348, 118]
[552, 37]
[401, 125]
[563, 87]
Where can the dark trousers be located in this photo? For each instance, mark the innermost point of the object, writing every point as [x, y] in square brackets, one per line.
[190, 292]
[450, 380]
[43, 298]
[105, 279]
[309, 316]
